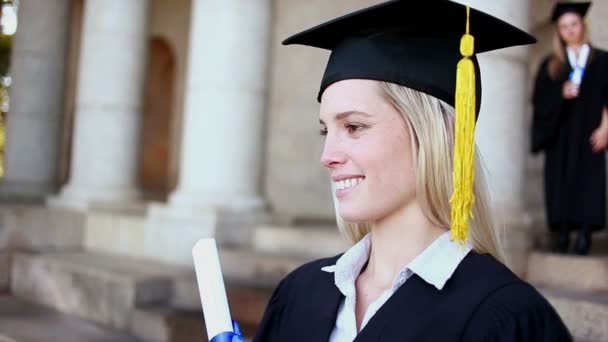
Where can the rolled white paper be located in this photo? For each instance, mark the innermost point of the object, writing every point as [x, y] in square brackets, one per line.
[211, 287]
[576, 76]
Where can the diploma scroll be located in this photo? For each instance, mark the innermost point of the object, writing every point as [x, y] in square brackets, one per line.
[576, 76]
[211, 288]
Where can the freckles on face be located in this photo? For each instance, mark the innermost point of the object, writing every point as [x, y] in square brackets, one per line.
[367, 140]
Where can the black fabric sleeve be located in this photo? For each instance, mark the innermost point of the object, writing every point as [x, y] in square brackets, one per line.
[269, 328]
[516, 313]
[605, 92]
[547, 102]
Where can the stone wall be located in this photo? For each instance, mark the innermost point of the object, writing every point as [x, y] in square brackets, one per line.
[542, 29]
[597, 21]
[36, 229]
[4, 271]
[296, 185]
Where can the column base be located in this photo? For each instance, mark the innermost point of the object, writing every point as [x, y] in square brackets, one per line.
[228, 202]
[72, 197]
[517, 238]
[36, 228]
[25, 191]
[172, 231]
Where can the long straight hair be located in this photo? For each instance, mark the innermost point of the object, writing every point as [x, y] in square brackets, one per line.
[558, 62]
[431, 122]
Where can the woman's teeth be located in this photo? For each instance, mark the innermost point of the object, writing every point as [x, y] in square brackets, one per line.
[347, 183]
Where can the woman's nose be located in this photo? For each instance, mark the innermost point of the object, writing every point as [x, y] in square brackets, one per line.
[332, 154]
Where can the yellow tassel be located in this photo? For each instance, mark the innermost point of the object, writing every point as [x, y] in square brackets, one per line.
[464, 146]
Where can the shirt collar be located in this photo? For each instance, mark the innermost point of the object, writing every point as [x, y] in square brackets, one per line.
[439, 261]
[349, 266]
[583, 55]
[435, 264]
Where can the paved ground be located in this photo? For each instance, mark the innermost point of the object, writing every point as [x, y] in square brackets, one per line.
[24, 322]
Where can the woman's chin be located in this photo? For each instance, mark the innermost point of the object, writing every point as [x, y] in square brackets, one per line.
[354, 216]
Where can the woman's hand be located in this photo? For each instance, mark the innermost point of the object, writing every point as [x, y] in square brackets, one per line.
[599, 140]
[570, 90]
[599, 137]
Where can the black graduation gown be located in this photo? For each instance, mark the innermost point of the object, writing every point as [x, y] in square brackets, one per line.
[575, 177]
[482, 301]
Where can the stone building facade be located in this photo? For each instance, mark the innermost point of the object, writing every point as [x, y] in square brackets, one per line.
[138, 127]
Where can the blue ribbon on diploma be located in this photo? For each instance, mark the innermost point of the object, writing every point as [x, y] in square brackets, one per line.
[230, 336]
[577, 74]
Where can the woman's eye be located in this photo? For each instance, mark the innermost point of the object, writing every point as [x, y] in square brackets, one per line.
[323, 131]
[352, 128]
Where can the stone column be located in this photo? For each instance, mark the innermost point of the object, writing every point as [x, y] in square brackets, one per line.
[109, 100]
[221, 151]
[225, 104]
[502, 130]
[34, 122]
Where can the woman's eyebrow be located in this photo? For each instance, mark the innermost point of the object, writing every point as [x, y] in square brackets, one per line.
[343, 115]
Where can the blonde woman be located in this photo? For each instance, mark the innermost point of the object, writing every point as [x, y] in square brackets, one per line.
[388, 122]
[571, 127]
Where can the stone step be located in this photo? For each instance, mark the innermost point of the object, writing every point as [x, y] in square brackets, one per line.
[585, 314]
[38, 228]
[154, 302]
[258, 269]
[165, 324]
[534, 189]
[250, 278]
[311, 241]
[545, 241]
[588, 273]
[241, 268]
[22, 321]
[247, 306]
[102, 288]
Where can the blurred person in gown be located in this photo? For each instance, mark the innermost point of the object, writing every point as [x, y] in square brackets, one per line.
[570, 126]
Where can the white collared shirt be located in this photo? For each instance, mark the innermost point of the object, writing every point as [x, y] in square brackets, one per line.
[435, 265]
[578, 63]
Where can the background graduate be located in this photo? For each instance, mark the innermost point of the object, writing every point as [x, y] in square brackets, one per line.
[401, 192]
[571, 126]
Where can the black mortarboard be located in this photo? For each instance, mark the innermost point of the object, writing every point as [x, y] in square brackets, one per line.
[411, 43]
[560, 8]
[426, 45]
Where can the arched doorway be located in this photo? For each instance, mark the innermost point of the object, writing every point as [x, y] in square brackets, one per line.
[156, 120]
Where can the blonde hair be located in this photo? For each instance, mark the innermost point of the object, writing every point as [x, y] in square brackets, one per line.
[558, 62]
[431, 122]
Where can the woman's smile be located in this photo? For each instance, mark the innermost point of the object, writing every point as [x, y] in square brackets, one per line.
[345, 186]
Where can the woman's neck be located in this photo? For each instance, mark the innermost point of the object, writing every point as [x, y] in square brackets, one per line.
[576, 46]
[397, 240]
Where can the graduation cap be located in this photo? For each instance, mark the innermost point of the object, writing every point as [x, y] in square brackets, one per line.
[427, 46]
[561, 8]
